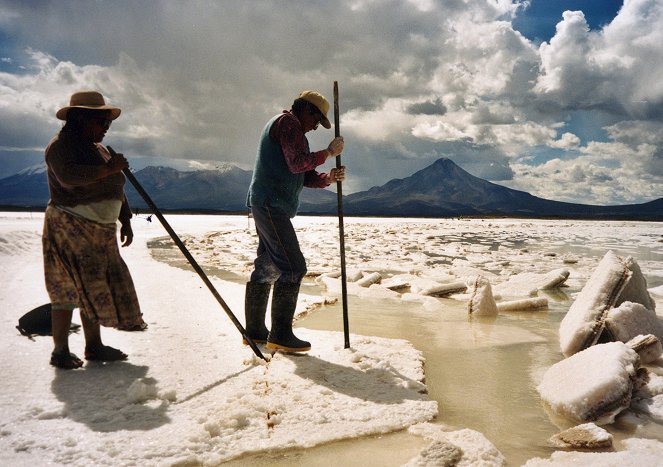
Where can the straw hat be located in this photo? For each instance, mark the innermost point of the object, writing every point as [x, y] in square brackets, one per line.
[89, 100]
[320, 102]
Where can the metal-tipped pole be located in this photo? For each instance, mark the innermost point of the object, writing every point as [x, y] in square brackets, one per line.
[187, 255]
[341, 232]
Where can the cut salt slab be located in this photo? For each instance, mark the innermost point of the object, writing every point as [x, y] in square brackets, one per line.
[526, 304]
[481, 302]
[648, 399]
[585, 436]
[636, 288]
[647, 346]
[528, 283]
[593, 385]
[652, 407]
[584, 322]
[652, 387]
[441, 290]
[369, 279]
[474, 448]
[632, 319]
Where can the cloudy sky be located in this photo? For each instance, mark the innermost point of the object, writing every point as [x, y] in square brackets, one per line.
[563, 99]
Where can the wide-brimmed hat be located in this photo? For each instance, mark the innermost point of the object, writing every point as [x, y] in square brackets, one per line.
[320, 102]
[88, 100]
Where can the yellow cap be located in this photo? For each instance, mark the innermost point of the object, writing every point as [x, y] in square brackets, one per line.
[320, 102]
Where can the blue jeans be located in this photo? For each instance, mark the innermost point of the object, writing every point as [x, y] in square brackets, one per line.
[279, 257]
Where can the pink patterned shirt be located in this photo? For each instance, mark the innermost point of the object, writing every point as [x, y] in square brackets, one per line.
[287, 131]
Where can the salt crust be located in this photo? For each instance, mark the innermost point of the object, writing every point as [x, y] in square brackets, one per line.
[637, 453]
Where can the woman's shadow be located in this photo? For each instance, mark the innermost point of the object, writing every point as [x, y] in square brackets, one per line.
[98, 396]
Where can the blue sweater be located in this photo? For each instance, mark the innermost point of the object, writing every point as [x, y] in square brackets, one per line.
[272, 181]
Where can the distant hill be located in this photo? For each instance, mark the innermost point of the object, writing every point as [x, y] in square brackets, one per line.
[221, 189]
[442, 189]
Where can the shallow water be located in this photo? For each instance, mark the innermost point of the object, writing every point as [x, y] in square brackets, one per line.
[482, 372]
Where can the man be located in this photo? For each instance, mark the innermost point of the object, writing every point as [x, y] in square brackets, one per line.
[284, 165]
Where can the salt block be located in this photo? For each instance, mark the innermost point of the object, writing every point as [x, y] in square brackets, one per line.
[481, 302]
[528, 283]
[440, 290]
[632, 319]
[369, 279]
[584, 322]
[527, 304]
[647, 346]
[585, 436]
[636, 288]
[652, 407]
[593, 385]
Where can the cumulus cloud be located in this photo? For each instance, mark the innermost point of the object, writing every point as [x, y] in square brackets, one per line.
[418, 80]
[566, 141]
[616, 69]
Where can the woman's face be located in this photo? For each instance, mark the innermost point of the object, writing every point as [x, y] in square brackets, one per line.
[96, 126]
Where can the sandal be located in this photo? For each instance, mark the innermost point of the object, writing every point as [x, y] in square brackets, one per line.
[65, 360]
[135, 327]
[105, 353]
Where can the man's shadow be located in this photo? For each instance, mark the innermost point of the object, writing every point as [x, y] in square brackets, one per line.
[379, 385]
[98, 396]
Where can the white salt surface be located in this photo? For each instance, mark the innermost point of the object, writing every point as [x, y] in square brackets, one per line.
[190, 394]
[636, 453]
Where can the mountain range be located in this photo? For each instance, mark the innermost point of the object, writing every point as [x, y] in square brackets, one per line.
[442, 189]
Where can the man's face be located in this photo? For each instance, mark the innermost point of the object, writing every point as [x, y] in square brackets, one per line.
[310, 119]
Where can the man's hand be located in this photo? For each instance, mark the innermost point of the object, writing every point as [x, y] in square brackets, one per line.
[335, 148]
[336, 175]
[126, 234]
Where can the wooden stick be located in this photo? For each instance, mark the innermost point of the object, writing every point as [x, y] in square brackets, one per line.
[339, 196]
[187, 255]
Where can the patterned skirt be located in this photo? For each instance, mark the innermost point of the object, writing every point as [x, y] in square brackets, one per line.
[83, 268]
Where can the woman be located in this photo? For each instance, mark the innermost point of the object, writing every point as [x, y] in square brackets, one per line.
[82, 263]
[284, 165]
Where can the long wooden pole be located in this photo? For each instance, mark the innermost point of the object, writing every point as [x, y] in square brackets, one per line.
[341, 232]
[187, 255]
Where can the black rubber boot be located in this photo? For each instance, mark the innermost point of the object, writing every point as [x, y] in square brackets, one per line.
[255, 308]
[284, 301]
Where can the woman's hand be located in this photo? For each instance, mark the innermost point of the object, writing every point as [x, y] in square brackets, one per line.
[336, 175]
[126, 233]
[117, 163]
